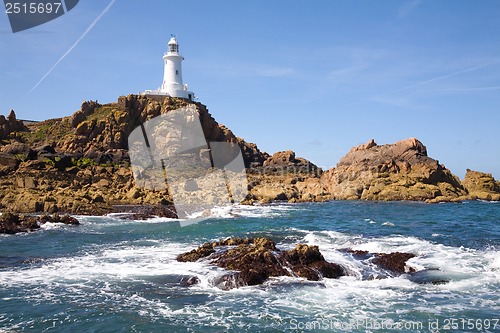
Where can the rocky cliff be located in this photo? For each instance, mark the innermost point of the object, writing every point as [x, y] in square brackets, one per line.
[80, 164]
[481, 186]
[400, 171]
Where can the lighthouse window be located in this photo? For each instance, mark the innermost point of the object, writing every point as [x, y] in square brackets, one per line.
[172, 48]
[176, 72]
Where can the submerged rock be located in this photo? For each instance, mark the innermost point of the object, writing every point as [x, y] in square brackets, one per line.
[188, 281]
[429, 276]
[254, 260]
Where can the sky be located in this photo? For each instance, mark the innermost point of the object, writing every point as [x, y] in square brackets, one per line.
[317, 77]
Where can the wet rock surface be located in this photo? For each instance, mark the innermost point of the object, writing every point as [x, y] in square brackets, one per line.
[138, 212]
[386, 264]
[254, 260]
[13, 223]
[394, 262]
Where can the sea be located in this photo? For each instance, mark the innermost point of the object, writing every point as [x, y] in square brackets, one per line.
[113, 275]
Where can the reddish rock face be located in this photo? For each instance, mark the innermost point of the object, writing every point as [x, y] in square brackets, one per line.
[287, 159]
[400, 171]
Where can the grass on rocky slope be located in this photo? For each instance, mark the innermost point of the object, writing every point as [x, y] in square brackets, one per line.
[47, 131]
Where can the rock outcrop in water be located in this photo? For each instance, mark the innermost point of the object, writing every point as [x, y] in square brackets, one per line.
[251, 261]
[400, 171]
[13, 223]
[255, 260]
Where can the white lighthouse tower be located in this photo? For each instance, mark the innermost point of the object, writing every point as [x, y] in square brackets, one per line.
[172, 74]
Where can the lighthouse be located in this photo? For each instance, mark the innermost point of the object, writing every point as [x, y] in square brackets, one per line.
[172, 84]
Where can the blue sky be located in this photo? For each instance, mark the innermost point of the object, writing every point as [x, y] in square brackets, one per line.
[317, 77]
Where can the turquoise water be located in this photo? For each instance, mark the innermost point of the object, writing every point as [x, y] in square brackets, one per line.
[108, 275]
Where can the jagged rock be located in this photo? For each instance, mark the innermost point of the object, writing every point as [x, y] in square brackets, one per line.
[288, 159]
[281, 158]
[203, 251]
[252, 156]
[96, 135]
[368, 145]
[9, 161]
[481, 186]
[189, 281]
[13, 223]
[285, 177]
[400, 171]
[86, 109]
[20, 150]
[10, 125]
[255, 260]
[12, 117]
[56, 218]
[309, 263]
[395, 262]
[45, 149]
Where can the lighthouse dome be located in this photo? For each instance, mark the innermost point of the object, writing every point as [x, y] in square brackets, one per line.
[172, 40]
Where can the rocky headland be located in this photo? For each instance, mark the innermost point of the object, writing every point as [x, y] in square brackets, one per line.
[80, 165]
[400, 171]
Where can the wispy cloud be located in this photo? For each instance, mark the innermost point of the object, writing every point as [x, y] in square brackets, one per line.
[471, 89]
[408, 7]
[443, 77]
[248, 70]
[346, 74]
[316, 143]
[400, 102]
[90, 27]
[274, 71]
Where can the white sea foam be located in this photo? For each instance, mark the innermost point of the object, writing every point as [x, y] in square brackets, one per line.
[51, 225]
[98, 275]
